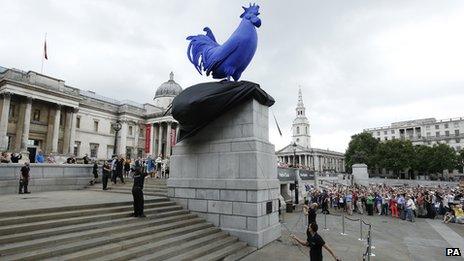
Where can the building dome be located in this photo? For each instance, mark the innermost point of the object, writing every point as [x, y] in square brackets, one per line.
[169, 88]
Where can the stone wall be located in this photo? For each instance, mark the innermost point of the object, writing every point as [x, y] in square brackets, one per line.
[45, 177]
[226, 173]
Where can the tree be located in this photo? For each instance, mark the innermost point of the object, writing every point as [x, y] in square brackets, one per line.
[361, 149]
[444, 157]
[422, 158]
[395, 155]
[460, 160]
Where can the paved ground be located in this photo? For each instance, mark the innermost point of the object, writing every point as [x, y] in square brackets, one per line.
[60, 199]
[393, 239]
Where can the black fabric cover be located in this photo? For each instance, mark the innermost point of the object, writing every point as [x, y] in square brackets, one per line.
[200, 104]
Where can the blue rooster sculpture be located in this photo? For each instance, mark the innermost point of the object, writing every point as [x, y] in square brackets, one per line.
[231, 58]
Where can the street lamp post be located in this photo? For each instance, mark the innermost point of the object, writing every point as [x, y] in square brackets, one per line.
[294, 153]
[116, 127]
[296, 176]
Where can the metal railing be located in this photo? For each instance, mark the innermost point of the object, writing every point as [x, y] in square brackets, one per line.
[368, 239]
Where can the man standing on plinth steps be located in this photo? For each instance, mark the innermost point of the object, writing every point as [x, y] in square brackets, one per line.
[137, 190]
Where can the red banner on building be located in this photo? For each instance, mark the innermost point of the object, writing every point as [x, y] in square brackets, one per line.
[147, 138]
[173, 137]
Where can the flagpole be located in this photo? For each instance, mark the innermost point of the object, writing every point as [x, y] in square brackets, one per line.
[43, 55]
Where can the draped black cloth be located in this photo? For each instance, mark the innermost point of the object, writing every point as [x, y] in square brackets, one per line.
[200, 104]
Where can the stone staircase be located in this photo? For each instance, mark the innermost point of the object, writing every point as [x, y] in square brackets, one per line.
[107, 232]
[152, 187]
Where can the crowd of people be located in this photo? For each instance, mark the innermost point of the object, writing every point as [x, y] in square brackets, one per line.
[402, 202]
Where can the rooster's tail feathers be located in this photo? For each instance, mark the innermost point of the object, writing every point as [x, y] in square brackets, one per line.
[198, 49]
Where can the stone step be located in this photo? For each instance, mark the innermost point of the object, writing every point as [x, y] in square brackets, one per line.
[157, 194]
[175, 250]
[161, 241]
[19, 237]
[238, 255]
[75, 213]
[223, 252]
[62, 249]
[20, 228]
[204, 249]
[130, 225]
[145, 188]
[78, 207]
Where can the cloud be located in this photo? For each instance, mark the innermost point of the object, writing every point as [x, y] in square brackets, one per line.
[360, 64]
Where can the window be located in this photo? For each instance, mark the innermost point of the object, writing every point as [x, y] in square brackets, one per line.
[437, 127]
[36, 115]
[378, 133]
[427, 127]
[456, 124]
[77, 148]
[130, 131]
[446, 125]
[447, 133]
[428, 134]
[386, 138]
[111, 128]
[437, 134]
[458, 140]
[142, 133]
[306, 129]
[93, 150]
[128, 151]
[392, 131]
[297, 130]
[95, 126]
[78, 122]
[456, 132]
[385, 132]
[139, 153]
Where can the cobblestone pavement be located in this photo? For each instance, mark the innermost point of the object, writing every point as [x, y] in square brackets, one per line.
[393, 239]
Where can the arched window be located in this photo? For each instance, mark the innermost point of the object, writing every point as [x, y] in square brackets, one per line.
[297, 130]
[306, 130]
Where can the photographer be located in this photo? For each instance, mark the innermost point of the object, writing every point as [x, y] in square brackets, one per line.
[315, 243]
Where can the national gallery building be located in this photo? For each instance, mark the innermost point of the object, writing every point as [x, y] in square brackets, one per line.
[39, 112]
[300, 152]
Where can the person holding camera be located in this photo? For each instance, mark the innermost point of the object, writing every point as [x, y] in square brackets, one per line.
[315, 243]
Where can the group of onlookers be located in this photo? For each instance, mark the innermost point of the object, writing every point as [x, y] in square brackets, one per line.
[399, 202]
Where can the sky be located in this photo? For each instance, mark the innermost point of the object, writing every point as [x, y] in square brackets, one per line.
[359, 64]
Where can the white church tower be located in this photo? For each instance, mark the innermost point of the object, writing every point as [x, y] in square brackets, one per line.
[301, 125]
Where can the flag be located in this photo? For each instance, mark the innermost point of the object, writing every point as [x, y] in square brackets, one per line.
[45, 50]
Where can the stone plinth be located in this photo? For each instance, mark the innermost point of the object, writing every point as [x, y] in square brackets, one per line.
[227, 174]
[360, 174]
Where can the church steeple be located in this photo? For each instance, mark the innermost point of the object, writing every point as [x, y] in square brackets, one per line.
[301, 132]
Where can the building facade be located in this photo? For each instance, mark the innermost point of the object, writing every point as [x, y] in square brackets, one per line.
[300, 153]
[42, 113]
[424, 132]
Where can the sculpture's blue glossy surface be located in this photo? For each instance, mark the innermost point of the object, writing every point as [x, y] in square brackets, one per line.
[231, 58]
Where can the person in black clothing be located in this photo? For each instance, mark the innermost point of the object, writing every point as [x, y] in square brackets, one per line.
[137, 190]
[95, 173]
[119, 170]
[106, 174]
[24, 179]
[86, 159]
[311, 212]
[15, 157]
[315, 243]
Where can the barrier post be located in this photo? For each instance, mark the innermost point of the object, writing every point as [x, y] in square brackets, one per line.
[343, 226]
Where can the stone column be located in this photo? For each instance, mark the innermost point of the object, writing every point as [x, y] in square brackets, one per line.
[317, 166]
[136, 141]
[121, 149]
[151, 149]
[72, 127]
[4, 121]
[56, 129]
[26, 124]
[168, 140]
[160, 138]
